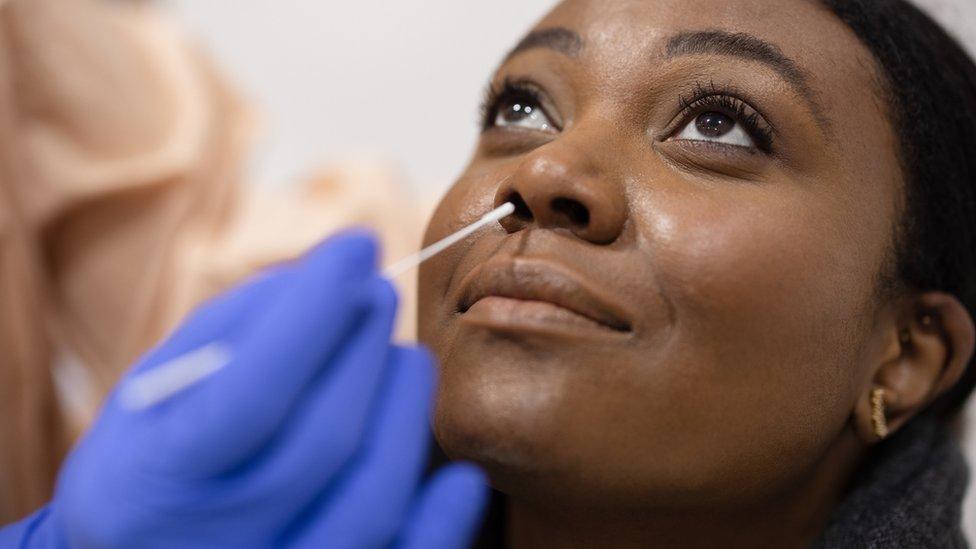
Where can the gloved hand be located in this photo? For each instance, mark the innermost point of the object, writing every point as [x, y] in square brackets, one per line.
[314, 435]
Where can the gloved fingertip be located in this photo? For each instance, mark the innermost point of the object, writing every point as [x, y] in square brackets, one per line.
[449, 509]
[356, 246]
[383, 294]
[469, 480]
[420, 359]
[418, 353]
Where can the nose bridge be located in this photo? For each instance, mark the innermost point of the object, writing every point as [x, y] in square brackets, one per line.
[570, 184]
[584, 150]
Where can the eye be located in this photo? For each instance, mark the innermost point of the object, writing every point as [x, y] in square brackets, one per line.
[523, 113]
[516, 105]
[718, 128]
[719, 117]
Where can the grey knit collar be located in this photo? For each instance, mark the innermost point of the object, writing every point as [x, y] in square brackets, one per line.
[909, 494]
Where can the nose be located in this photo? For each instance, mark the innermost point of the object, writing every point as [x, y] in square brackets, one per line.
[560, 189]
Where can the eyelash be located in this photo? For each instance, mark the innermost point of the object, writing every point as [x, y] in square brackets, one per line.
[509, 91]
[706, 98]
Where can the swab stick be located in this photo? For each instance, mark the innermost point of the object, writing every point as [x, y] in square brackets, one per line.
[416, 259]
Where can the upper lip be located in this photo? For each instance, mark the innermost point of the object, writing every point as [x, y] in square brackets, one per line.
[537, 280]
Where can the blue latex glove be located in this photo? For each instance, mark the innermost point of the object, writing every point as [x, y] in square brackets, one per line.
[315, 434]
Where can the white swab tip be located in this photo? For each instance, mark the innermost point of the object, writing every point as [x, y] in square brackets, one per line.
[505, 210]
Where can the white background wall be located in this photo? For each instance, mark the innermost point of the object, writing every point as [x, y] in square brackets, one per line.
[400, 79]
[334, 79]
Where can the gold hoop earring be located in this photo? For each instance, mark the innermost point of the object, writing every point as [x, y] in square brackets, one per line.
[878, 419]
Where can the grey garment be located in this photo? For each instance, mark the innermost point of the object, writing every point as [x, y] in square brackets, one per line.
[909, 494]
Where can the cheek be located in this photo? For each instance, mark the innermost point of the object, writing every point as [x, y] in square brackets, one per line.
[769, 290]
[780, 259]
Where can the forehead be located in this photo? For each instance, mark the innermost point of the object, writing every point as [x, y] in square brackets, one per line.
[797, 26]
[624, 37]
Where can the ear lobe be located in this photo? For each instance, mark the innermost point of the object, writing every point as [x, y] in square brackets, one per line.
[926, 357]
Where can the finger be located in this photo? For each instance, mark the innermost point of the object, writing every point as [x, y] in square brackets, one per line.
[327, 427]
[448, 511]
[367, 506]
[232, 413]
[219, 319]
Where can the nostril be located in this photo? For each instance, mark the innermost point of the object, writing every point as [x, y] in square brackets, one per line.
[574, 210]
[522, 210]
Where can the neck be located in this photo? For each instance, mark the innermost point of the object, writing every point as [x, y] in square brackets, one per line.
[795, 518]
[530, 527]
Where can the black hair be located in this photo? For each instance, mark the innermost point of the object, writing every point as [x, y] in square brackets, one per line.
[929, 82]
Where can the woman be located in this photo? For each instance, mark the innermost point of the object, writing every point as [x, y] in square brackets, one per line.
[735, 305]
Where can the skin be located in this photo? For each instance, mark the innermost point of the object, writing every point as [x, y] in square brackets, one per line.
[730, 402]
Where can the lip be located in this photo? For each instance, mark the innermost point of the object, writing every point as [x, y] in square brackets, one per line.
[523, 294]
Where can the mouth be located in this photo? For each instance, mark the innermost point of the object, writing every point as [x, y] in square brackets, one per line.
[528, 295]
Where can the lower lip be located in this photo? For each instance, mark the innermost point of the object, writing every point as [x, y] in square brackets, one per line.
[520, 315]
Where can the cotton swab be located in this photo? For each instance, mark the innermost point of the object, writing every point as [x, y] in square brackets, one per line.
[416, 259]
[162, 382]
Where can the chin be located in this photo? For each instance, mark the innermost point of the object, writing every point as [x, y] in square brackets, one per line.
[500, 413]
[519, 460]
[523, 446]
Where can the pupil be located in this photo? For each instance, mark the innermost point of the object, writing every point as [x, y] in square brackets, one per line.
[714, 124]
[516, 112]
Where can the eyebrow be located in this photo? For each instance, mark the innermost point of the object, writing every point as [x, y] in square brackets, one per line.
[748, 47]
[563, 40]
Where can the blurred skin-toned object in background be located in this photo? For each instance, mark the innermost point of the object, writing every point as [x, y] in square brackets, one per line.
[122, 206]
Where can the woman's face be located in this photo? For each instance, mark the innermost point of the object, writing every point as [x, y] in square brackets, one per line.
[684, 303]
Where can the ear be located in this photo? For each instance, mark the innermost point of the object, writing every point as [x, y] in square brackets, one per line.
[926, 351]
